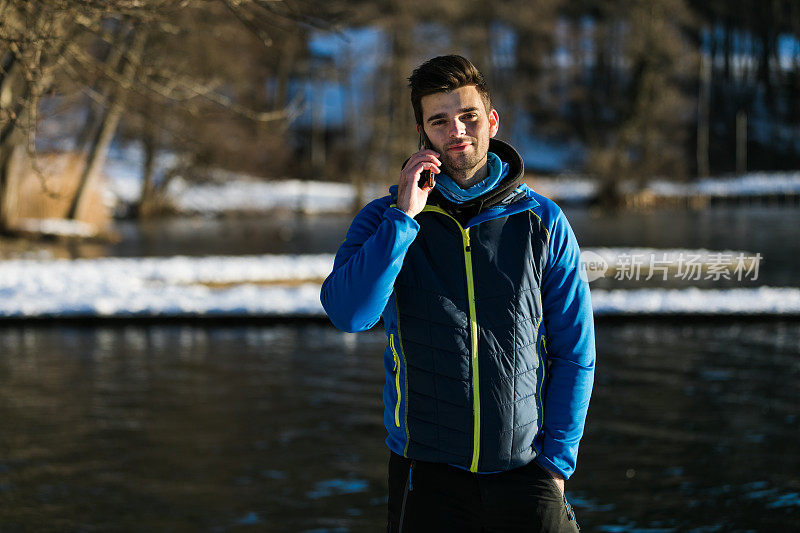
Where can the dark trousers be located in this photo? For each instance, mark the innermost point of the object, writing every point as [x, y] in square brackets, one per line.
[441, 498]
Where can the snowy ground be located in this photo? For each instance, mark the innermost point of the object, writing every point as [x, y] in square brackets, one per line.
[577, 189]
[279, 285]
[566, 189]
[755, 301]
[55, 227]
[240, 193]
[230, 192]
[753, 184]
[260, 196]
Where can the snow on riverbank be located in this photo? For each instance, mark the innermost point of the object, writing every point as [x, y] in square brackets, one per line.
[176, 270]
[23, 274]
[577, 189]
[755, 301]
[58, 227]
[753, 184]
[160, 286]
[259, 196]
[303, 300]
[279, 285]
[237, 193]
[566, 189]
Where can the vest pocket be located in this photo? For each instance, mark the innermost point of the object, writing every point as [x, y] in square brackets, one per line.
[396, 371]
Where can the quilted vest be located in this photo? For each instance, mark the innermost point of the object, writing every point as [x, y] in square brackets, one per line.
[469, 312]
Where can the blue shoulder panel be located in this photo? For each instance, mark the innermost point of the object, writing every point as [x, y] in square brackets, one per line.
[366, 265]
[569, 326]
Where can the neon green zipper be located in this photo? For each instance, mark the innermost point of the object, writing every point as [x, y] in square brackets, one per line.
[543, 364]
[396, 371]
[473, 326]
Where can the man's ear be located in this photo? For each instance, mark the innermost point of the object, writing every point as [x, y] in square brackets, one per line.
[418, 131]
[494, 122]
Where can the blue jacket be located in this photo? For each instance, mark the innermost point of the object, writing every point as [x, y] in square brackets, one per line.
[490, 352]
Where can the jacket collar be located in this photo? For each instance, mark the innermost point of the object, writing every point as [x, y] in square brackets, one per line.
[502, 193]
[508, 197]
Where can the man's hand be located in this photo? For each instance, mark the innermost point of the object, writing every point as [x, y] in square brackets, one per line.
[559, 481]
[411, 198]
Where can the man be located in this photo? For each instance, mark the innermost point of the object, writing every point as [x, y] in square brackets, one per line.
[490, 356]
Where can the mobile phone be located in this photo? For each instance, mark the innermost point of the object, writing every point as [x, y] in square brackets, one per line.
[426, 177]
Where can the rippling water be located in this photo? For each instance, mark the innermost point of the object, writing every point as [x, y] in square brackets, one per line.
[692, 427]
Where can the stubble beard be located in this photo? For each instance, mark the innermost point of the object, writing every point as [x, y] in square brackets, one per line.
[462, 167]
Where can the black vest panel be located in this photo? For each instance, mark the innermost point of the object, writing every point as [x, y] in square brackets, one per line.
[508, 256]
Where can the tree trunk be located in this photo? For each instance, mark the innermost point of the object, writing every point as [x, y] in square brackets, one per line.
[6, 66]
[8, 185]
[703, 107]
[741, 142]
[728, 52]
[286, 62]
[318, 123]
[99, 149]
[147, 200]
[13, 93]
[95, 116]
[401, 124]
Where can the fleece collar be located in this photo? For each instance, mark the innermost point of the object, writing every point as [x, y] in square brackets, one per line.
[497, 170]
[504, 192]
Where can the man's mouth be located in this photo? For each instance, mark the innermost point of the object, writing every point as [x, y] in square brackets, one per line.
[460, 147]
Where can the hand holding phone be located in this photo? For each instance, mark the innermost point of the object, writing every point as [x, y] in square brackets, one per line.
[420, 170]
[426, 177]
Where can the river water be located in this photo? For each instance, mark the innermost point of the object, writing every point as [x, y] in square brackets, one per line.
[693, 426]
[774, 232]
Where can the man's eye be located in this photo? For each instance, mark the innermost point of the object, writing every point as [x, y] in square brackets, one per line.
[437, 122]
[471, 116]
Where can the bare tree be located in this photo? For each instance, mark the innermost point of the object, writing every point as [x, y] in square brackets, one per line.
[129, 57]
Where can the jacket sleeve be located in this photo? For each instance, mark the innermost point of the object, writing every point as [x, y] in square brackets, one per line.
[570, 349]
[366, 266]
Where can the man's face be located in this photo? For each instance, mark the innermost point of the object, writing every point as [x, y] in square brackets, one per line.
[459, 128]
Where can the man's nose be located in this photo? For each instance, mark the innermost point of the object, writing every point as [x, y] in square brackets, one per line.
[457, 128]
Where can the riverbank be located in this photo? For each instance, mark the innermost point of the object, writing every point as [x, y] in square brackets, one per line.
[230, 193]
[287, 286]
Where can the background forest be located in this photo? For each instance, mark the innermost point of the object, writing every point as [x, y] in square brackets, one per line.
[615, 90]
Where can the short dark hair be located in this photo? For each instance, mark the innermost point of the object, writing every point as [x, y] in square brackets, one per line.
[444, 74]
